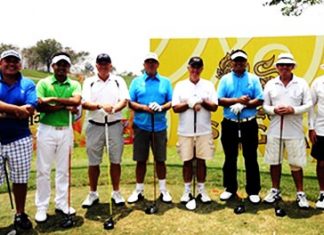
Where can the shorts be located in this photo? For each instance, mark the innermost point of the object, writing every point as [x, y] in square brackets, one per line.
[142, 142]
[295, 148]
[96, 141]
[318, 148]
[18, 154]
[205, 147]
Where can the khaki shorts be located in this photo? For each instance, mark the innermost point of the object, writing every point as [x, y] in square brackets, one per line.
[205, 147]
[295, 149]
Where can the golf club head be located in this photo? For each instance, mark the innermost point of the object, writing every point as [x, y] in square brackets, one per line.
[109, 224]
[191, 205]
[12, 232]
[67, 222]
[151, 209]
[239, 209]
[280, 212]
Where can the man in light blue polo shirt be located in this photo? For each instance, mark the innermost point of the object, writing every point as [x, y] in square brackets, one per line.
[151, 96]
[240, 93]
[17, 103]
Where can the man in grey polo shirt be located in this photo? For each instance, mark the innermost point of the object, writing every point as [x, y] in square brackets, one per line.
[104, 94]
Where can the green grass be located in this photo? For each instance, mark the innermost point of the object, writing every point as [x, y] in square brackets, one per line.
[34, 74]
[216, 218]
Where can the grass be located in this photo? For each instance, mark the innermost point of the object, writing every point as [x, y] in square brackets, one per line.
[34, 74]
[216, 218]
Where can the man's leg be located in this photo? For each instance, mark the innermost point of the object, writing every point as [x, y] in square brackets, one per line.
[115, 172]
[320, 174]
[93, 174]
[298, 179]
[275, 172]
[20, 192]
[201, 170]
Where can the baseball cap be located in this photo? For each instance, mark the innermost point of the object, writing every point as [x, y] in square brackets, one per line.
[8, 53]
[151, 56]
[103, 57]
[286, 58]
[196, 62]
[61, 57]
[238, 54]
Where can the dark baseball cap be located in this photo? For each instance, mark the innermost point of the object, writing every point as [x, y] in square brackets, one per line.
[103, 57]
[196, 62]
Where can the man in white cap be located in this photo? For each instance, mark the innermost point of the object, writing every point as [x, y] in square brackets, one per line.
[58, 96]
[18, 101]
[240, 93]
[316, 133]
[151, 96]
[104, 95]
[194, 99]
[286, 98]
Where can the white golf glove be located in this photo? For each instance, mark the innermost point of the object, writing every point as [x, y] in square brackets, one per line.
[237, 108]
[192, 101]
[155, 107]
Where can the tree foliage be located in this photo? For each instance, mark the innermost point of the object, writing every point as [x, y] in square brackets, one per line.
[293, 7]
[4, 47]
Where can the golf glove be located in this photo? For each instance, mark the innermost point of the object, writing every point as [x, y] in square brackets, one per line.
[155, 107]
[192, 101]
[237, 108]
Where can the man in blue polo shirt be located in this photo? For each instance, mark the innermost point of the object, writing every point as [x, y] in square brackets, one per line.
[240, 93]
[17, 103]
[150, 94]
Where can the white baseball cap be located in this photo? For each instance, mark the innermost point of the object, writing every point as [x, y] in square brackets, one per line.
[286, 58]
[8, 53]
[238, 54]
[151, 56]
[61, 57]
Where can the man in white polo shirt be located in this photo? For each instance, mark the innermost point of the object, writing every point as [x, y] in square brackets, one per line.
[316, 133]
[195, 96]
[104, 93]
[286, 98]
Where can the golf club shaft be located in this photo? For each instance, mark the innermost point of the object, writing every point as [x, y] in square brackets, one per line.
[194, 173]
[239, 135]
[8, 183]
[153, 152]
[280, 151]
[108, 165]
[70, 155]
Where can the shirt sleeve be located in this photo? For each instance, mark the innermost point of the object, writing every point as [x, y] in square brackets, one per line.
[307, 100]
[175, 96]
[169, 91]
[132, 91]
[311, 112]
[267, 104]
[40, 91]
[31, 95]
[124, 94]
[258, 89]
[76, 89]
[221, 88]
[86, 91]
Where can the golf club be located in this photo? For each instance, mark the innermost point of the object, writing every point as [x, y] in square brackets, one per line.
[278, 210]
[4, 160]
[152, 209]
[109, 223]
[191, 204]
[68, 221]
[241, 207]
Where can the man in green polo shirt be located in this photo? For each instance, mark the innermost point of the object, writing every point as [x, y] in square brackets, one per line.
[58, 98]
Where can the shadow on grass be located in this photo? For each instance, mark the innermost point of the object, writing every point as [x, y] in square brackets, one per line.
[8, 229]
[145, 203]
[54, 221]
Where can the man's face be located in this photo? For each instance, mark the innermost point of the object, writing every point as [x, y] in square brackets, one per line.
[61, 68]
[285, 69]
[104, 68]
[10, 65]
[194, 72]
[239, 65]
[151, 66]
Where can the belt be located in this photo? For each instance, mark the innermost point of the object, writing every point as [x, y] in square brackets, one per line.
[103, 124]
[241, 120]
[60, 128]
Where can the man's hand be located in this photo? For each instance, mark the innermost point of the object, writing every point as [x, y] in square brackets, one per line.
[237, 108]
[24, 111]
[312, 136]
[192, 101]
[155, 107]
[244, 99]
[46, 100]
[284, 110]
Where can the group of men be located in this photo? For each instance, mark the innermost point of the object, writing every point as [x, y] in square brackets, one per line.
[57, 97]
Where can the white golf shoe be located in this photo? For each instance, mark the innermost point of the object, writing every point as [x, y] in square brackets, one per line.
[272, 196]
[41, 216]
[254, 199]
[225, 195]
[165, 196]
[135, 196]
[91, 199]
[302, 200]
[203, 197]
[186, 197]
[65, 210]
[320, 202]
[117, 198]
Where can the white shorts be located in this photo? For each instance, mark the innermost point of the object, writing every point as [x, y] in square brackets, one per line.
[295, 149]
[205, 147]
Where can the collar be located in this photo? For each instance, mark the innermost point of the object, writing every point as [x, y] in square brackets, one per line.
[239, 76]
[292, 81]
[157, 76]
[54, 80]
[19, 76]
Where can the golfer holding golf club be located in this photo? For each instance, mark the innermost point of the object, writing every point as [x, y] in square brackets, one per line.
[240, 93]
[286, 98]
[194, 99]
[58, 95]
[104, 94]
[316, 133]
[17, 103]
[150, 93]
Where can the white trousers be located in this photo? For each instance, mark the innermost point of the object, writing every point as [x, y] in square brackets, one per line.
[53, 146]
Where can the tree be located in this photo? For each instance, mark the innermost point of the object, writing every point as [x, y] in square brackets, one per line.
[45, 49]
[293, 7]
[4, 47]
[76, 57]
